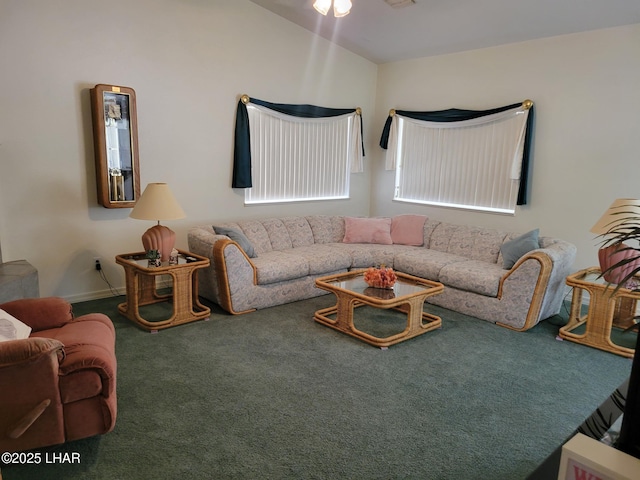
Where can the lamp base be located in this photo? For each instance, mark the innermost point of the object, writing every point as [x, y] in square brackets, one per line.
[611, 255]
[159, 238]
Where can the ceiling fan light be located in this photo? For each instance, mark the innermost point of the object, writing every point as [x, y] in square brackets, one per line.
[322, 6]
[341, 8]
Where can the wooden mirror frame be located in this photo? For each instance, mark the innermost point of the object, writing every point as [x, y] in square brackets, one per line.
[117, 168]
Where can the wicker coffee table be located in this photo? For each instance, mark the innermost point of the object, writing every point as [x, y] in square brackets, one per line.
[408, 296]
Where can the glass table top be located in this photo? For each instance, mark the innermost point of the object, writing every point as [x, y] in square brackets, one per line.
[402, 287]
[593, 275]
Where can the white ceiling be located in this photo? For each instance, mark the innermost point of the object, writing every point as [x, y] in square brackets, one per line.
[383, 34]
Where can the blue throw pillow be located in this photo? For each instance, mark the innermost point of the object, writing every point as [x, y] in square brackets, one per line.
[238, 237]
[516, 248]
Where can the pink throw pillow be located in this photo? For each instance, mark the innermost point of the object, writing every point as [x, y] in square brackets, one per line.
[408, 229]
[367, 230]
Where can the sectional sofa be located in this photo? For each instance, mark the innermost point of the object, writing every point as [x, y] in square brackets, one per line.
[507, 278]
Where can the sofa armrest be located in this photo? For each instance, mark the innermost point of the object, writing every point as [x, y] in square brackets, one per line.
[40, 313]
[231, 261]
[553, 263]
[562, 255]
[230, 266]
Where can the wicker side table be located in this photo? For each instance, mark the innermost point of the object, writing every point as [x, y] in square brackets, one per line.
[141, 289]
[606, 307]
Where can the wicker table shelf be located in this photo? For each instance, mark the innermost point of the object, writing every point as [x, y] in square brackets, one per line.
[351, 291]
[142, 289]
[607, 308]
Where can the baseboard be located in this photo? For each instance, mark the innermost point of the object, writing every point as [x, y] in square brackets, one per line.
[95, 295]
[162, 281]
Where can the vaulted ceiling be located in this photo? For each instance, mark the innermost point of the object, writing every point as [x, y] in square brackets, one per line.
[384, 34]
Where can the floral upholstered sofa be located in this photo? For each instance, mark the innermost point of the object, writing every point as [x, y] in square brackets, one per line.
[506, 278]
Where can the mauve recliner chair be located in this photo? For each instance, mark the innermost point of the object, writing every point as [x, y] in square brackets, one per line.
[59, 384]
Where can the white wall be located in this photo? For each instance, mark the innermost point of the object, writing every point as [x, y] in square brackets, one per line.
[189, 61]
[586, 89]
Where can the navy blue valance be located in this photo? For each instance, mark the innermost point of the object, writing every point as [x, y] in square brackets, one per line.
[242, 145]
[458, 115]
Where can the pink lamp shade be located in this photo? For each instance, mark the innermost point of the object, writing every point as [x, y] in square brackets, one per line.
[158, 203]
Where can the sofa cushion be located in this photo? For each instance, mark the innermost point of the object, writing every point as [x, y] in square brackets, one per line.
[441, 236]
[512, 250]
[424, 263]
[475, 243]
[299, 231]
[322, 229]
[408, 229]
[473, 276]
[278, 234]
[278, 266]
[324, 259]
[337, 228]
[370, 255]
[367, 230]
[326, 228]
[237, 236]
[256, 233]
[429, 227]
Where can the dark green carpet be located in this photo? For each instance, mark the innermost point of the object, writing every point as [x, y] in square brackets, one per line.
[274, 395]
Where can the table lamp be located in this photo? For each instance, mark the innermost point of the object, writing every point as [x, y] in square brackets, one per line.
[620, 222]
[158, 203]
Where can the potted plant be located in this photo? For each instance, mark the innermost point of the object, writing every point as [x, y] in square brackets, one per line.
[621, 245]
[153, 257]
[619, 229]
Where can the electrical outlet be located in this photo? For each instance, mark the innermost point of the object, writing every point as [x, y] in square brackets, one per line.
[98, 264]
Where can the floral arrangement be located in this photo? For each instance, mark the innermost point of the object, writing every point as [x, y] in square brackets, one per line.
[383, 277]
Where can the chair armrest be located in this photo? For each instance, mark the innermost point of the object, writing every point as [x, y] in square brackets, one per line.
[89, 358]
[30, 406]
[40, 313]
[91, 347]
[29, 350]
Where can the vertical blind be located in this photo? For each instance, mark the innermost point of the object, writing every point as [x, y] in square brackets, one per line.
[297, 159]
[474, 164]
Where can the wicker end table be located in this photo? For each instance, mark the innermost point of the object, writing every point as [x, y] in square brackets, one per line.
[606, 310]
[408, 296]
[142, 290]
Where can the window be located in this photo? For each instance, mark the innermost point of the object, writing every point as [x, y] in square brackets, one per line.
[295, 158]
[473, 164]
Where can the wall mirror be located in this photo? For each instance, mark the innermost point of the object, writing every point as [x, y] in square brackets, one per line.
[115, 137]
